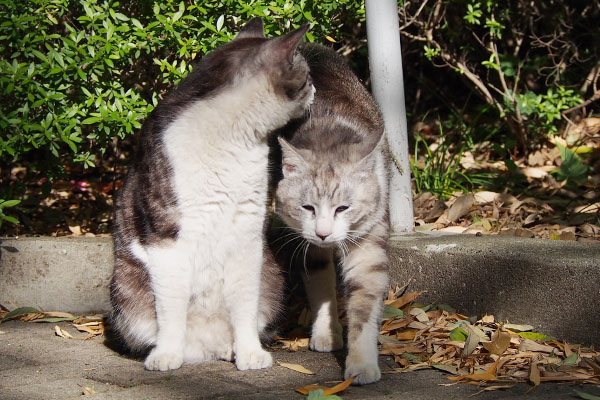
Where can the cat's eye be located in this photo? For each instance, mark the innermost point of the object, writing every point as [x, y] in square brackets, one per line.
[308, 207]
[341, 209]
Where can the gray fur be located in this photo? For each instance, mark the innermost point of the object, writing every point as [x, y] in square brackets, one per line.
[334, 193]
[194, 201]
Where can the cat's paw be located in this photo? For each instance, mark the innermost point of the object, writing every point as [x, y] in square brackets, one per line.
[328, 342]
[326, 339]
[257, 359]
[162, 361]
[365, 372]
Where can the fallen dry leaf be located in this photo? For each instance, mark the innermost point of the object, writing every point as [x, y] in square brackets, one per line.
[404, 300]
[490, 352]
[500, 342]
[488, 376]
[62, 333]
[296, 367]
[293, 344]
[461, 207]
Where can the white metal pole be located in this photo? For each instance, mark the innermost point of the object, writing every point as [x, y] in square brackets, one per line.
[385, 63]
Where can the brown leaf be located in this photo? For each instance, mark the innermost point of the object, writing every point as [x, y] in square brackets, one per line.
[399, 348]
[488, 376]
[534, 373]
[530, 345]
[404, 300]
[339, 387]
[500, 342]
[62, 333]
[461, 207]
[296, 367]
[58, 314]
[294, 344]
[308, 388]
[326, 390]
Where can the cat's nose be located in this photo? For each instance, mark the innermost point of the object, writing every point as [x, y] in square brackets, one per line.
[322, 236]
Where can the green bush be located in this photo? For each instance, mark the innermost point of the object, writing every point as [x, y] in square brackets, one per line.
[534, 64]
[74, 75]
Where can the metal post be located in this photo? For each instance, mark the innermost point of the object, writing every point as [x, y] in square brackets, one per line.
[385, 63]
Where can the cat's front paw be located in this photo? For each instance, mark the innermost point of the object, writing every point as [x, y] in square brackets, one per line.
[325, 343]
[328, 339]
[162, 361]
[365, 372]
[257, 359]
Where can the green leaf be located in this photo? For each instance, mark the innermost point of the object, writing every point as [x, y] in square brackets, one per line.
[9, 203]
[571, 167]
[10, 219]
[137, 23]
[20, 311]
[458, 335]
[572, 359]
[220, 21]
[319, 395]
[121, 17]
[411, 357]
[180, 12]
[533, 335]
[390, 312]
[57, 319]
[91, 120]
[586, 396]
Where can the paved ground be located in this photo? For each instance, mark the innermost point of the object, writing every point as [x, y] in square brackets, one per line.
[36, 364]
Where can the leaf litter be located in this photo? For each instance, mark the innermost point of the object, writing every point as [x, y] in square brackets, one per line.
[553, 191]
[480, 351]
[92, 325]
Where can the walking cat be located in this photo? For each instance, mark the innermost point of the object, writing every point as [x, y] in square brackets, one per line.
[187, 283]
[334, 194]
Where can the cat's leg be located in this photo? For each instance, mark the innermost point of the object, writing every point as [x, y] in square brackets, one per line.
[170, 273]
[242, 286]
[365, 272]
[320, 284]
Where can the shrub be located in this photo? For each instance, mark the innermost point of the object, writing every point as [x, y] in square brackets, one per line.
[76, 74]
[533, 63]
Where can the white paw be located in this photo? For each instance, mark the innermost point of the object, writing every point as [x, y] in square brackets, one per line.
[256, 359]
[225, 353]
[365, 372]
[326, 343]
[326, 338]
[162, 361]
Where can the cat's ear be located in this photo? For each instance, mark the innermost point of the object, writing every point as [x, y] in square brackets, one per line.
[284, 47]
[369, 162]
[292, 161]
[253, 29]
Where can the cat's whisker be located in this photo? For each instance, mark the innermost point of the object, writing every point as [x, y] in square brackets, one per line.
[305, 252]
[298, 247]
[353, 240]
[288, 242]
[286, 236]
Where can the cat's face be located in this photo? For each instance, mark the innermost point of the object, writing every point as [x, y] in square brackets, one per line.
[327, 201]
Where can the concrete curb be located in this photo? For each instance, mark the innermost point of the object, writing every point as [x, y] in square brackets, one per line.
[64, 274]
[553, 285]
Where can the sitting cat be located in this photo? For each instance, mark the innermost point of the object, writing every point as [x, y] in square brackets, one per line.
[334, 193]
[187, 283]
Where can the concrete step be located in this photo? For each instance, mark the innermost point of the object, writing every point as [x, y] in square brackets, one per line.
[552, 285]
